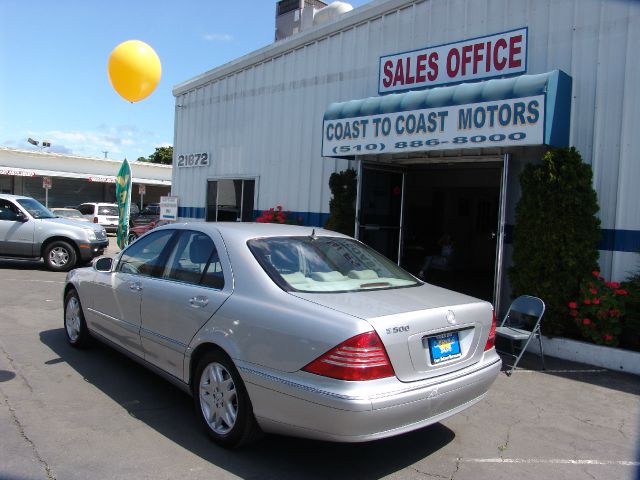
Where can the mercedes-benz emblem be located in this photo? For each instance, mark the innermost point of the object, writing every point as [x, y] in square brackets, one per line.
[451, 317]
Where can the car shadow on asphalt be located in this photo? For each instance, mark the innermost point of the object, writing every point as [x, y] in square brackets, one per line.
[22, 264]
[169, 411]
[580, 372]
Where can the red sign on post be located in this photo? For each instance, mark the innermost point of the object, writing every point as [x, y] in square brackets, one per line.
[46, 182]
[142, 189]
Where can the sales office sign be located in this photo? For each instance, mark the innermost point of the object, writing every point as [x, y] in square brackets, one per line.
[501, 123]
[492, 56]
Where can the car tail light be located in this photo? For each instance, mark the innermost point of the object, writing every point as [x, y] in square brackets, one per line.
[491, 341]
[362, 357]
[95, 219]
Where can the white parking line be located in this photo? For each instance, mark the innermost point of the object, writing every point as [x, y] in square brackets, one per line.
[552, 461]
[29, 280]
[594, 370]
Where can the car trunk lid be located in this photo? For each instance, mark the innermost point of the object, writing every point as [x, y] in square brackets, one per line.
[426, 330]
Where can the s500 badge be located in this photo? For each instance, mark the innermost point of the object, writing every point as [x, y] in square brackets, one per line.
[403, 328]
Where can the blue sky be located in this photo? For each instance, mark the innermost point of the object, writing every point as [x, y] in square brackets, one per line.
[53, 67]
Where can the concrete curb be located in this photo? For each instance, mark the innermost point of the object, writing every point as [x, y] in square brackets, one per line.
[589, 353]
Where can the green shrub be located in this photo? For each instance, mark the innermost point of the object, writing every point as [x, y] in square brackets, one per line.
[555, 235]
[342, 207]
[599, 310]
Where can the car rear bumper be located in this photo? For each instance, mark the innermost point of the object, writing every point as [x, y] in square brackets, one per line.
[389, 408]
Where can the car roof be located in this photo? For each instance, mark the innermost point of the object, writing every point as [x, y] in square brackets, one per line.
[8, 196]
[243, 231]
[100, 204]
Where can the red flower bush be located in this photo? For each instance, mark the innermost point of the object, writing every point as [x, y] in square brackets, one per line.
[276, 215]
[599, 309]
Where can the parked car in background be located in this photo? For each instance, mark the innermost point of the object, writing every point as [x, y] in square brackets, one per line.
[134, 210]
[105, 214]
[70, 213]
[138, 231]
[149, 213]
[28, 230]
[287, 329]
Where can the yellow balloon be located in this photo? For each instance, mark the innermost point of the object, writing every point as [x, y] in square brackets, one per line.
[134, 70]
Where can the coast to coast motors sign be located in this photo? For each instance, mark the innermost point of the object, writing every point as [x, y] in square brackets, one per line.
[502, 123]
[479, 58]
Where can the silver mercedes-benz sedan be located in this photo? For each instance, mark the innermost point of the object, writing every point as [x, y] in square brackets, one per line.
[286, 329]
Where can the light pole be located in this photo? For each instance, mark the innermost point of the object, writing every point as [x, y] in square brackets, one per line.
[46, 181]
[43, 144]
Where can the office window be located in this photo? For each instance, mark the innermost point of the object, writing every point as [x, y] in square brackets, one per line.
[230, 200]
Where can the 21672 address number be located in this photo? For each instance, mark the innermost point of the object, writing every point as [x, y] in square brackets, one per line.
[193, 160]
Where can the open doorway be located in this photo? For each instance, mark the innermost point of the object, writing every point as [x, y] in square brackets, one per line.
[380, 212]
[451, 225]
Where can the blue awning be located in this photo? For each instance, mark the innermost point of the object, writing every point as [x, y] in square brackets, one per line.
[554, 85]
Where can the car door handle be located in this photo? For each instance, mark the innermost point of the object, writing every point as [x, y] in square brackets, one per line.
[136, 286]
[198, 302]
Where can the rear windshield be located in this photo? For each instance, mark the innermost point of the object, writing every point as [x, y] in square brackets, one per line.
[111, 211]
[327, 264]
[68, 213]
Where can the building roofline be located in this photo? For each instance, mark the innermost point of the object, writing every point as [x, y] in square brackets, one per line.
[36, 153]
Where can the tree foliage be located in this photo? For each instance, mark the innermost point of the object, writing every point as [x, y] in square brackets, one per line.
[556, 234]
[163, 155]
[342, 207]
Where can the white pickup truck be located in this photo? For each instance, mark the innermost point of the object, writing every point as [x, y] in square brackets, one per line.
[30, 231]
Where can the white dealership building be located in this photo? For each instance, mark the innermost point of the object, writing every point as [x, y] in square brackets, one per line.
[438, 105]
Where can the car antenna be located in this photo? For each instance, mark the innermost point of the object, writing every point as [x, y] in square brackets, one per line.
[313, 234]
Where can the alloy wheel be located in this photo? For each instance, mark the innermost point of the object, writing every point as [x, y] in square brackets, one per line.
[72, 319]
[218, 398]
[59, 256]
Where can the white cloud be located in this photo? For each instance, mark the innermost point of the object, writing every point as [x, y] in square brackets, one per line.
[218, 37]
[119, 141]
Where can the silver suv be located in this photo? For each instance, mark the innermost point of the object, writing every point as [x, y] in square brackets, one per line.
[29, 230]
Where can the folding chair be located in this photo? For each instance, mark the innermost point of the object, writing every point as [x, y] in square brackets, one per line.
[514, 326]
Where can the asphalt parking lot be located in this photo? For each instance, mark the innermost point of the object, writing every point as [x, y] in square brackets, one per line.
[68, 414]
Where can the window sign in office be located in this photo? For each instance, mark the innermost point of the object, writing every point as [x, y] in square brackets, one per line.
[504, 123]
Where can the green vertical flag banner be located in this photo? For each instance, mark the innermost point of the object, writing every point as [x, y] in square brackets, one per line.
[123, 197]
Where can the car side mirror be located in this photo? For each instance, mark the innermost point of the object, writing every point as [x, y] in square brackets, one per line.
[103, 264]
[21, 217]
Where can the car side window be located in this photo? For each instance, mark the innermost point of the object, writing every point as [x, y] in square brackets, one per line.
[150, 211]
[8, 211]
[86, 209]
[195, 260]
[146, 256]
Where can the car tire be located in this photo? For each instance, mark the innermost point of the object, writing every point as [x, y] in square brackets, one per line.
[75, 326]
[222, 403]
[60, 256]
